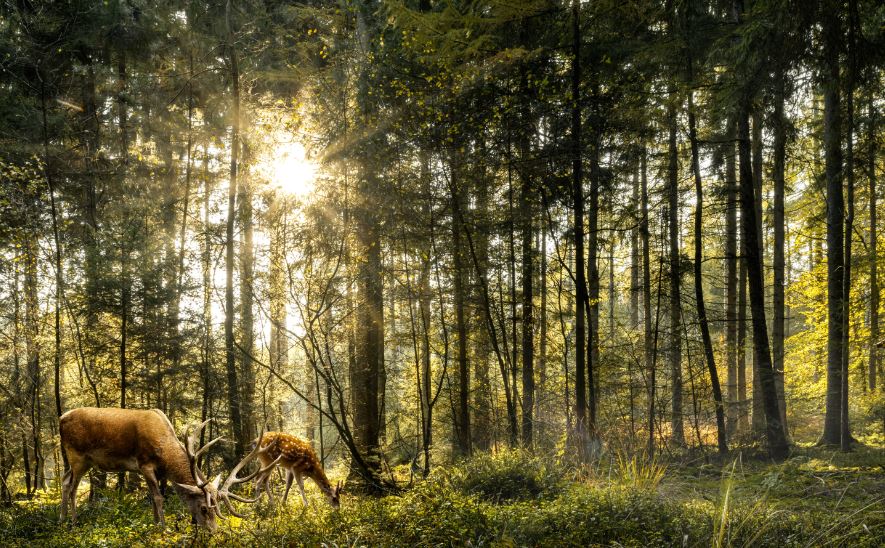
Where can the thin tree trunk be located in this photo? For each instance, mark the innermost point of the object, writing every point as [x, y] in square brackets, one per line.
[758, 411]
[676, 420]
[874, 255]
[233, 388]
[777, 442]
[731, 281]
[528, 323]
[59, 275]
[777, 297]
[844, 426]
[463, 415]
[581, 427]
[698, 271]
[649, 350]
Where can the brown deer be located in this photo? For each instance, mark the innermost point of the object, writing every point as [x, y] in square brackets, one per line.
[299, 460]
[117, 440]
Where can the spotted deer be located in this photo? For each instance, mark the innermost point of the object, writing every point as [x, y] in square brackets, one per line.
[117, 440]
[299, 460]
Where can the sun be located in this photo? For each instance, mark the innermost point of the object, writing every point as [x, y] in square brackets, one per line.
[291, 171]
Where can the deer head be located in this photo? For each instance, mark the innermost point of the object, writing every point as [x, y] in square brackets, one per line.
[202, 498]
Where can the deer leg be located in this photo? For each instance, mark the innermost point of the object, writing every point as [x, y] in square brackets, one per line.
[300, 479]
[65, 497]
[290, 475]
[264, 483]
[70, 483]
[156, 497]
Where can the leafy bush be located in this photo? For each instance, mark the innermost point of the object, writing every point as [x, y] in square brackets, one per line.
[508, 476]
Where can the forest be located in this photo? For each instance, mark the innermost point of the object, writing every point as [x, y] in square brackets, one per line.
[513, 272]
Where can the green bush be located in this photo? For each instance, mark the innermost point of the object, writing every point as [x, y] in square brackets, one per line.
[507, 476]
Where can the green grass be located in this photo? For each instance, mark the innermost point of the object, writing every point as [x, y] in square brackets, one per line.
[819, 497]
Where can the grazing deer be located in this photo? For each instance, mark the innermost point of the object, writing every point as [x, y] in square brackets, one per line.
[299, 460]
[117, 440]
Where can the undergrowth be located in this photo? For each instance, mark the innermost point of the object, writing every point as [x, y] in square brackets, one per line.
[516, 499]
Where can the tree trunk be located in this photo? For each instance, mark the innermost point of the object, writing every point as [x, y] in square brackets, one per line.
[462, 422]
[758, 411]
[676, 420]
[874, 256]
[581, 432]
[832, 34]
[635, 287]
[777, 443]
[528, 324]
[233, 387]
[731, 286]
[648, 345]
[247, 323]
[844, 424]
[777, 296]
[59, 274]
[698, 271]
[482, 417]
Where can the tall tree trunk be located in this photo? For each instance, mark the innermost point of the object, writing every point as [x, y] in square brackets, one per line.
[832, 36]
[731, 286]
[32, 352]
[207, 347]
[777, 296]
[482, 417]
[581, 427]
[844, 424]
[676, 420]
[59, 274]
[366, 371]
[463, 416]
[698, 274]
[592, 258]
[874, 255]
[233, 387]
[247, 323]
[758, 415]
[528, 323]
[648, 345]
[635, 287]
[125, 282]
[777, 442]
[424, 297]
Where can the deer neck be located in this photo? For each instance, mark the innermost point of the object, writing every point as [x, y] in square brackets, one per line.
[319, 477]
[178, 468]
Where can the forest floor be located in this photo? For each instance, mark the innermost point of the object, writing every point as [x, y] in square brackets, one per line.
[818, 497]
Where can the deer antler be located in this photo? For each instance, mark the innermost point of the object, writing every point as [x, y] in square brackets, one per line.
[193, 457]
[224, 493]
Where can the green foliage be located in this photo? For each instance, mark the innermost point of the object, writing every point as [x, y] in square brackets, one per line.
[539, 503]
[509, 476]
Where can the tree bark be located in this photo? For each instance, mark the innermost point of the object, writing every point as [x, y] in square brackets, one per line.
[731, 286]
[832, 35]
[233, 387]
[581, 432]
[698, 275]
[648, 342]
[777, 443]
[874, 254]
[676, 420]
[778, 263]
